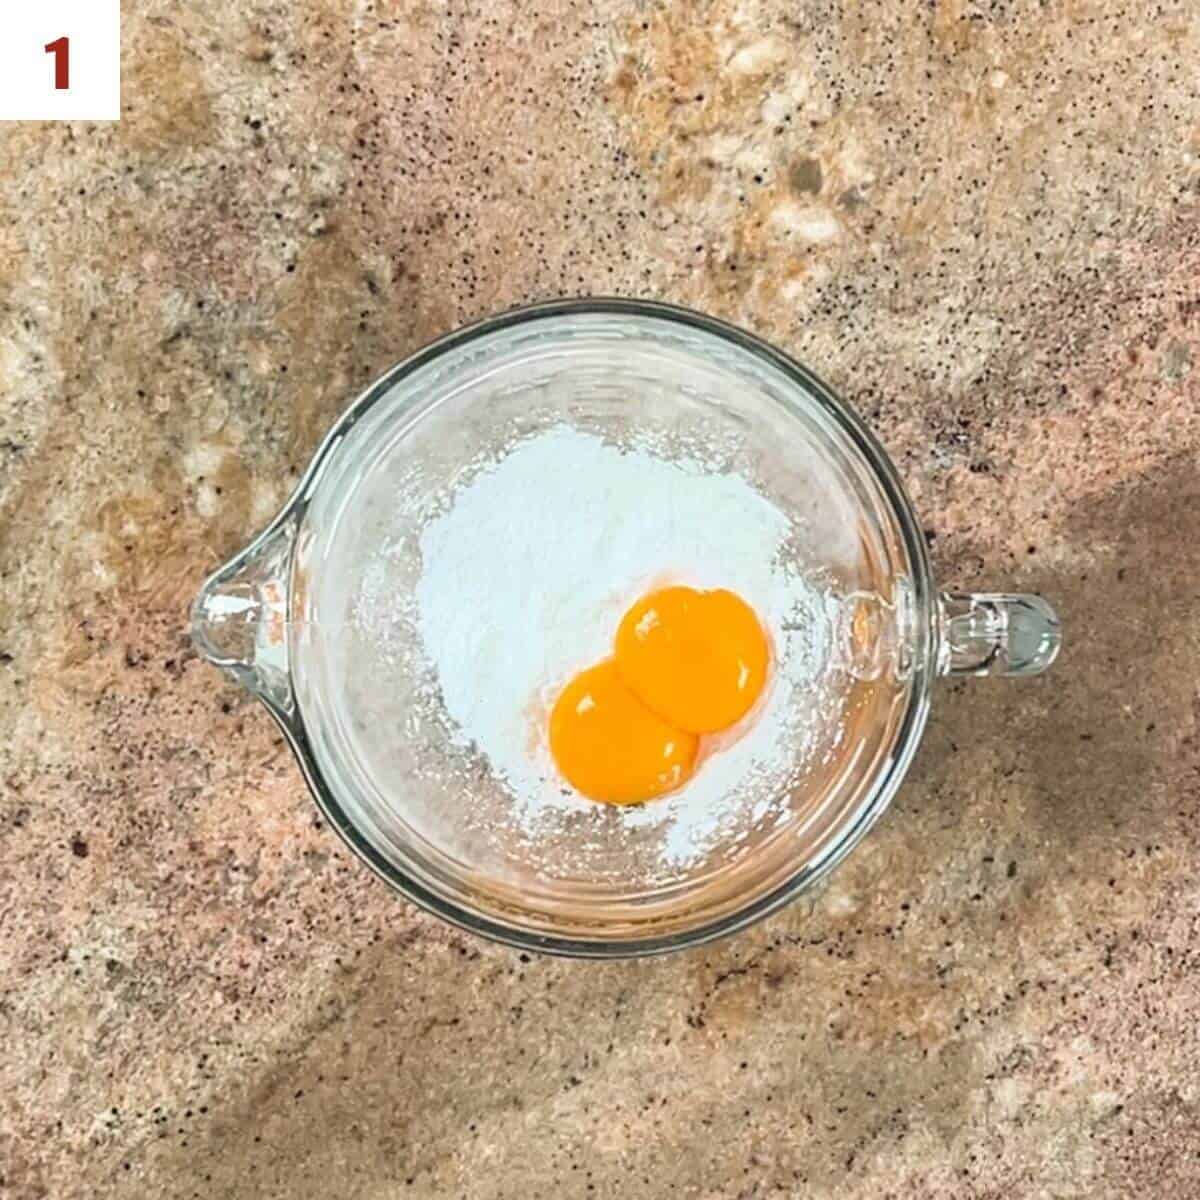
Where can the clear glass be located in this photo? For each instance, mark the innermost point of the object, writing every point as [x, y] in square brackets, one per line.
[429, 819]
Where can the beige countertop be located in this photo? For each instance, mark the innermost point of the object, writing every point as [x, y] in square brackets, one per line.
[980, 221]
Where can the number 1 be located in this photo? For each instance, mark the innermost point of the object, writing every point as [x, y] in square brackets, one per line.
[61, 49]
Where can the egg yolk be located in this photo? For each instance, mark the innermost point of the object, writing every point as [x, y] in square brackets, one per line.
[697, 659]
[687, 663]
[610, 746]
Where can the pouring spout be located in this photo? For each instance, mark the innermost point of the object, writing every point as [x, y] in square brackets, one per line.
[240, 617]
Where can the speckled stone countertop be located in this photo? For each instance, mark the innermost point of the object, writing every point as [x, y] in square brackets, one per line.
[980, 221]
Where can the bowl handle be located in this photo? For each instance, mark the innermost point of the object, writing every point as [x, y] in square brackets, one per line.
[996, 633]
[240, 617]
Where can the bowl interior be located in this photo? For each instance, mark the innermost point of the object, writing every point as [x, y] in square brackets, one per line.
[429, 801]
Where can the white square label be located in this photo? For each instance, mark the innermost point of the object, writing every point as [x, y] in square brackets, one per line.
[60, 60]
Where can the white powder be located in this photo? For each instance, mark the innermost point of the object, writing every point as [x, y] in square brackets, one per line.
[524, 579]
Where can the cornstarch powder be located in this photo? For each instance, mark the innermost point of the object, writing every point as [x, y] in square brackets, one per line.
[525, 575]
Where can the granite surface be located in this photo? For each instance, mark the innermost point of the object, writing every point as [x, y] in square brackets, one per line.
[980, 220]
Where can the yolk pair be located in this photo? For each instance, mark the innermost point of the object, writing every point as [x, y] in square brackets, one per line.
[686, 663]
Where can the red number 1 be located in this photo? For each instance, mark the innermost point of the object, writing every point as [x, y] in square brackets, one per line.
[61, 49]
